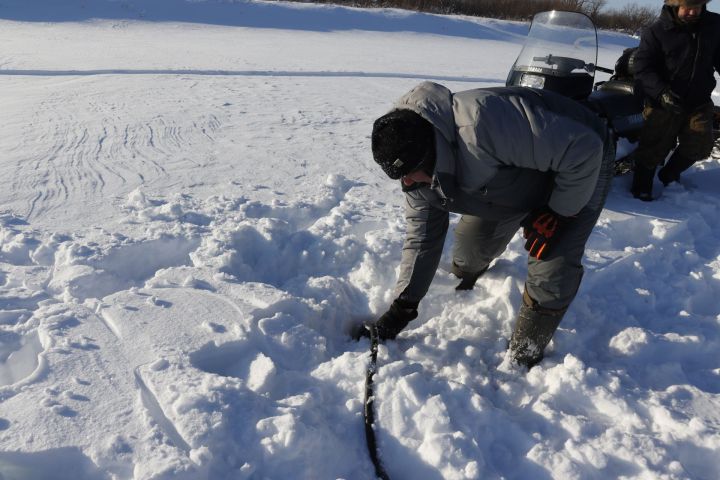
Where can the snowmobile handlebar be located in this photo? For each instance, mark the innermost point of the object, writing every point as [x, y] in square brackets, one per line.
[568, 64]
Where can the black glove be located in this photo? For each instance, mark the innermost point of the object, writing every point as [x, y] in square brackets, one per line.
[541, 228]
[671, 102]
[394, 320]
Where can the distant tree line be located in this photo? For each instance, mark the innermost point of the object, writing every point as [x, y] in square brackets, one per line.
[629, 19]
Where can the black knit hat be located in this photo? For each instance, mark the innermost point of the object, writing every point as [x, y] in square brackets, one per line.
[686, 3]
[402, 142]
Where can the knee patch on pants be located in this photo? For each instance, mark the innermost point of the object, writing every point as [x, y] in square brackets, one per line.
[553, 284]
[535, 306]
[697, 150]
[696, 139]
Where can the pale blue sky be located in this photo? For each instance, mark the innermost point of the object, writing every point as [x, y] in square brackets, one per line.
[614, 4]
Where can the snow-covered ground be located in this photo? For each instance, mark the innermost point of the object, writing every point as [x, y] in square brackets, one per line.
[191, 223]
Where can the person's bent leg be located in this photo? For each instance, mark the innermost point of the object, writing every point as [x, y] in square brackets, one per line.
[550, 287]
[478, 242]
[657, 138]
[553, 282]
[695, 144]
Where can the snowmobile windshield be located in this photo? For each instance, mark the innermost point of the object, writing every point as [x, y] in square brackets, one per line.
[559, 44]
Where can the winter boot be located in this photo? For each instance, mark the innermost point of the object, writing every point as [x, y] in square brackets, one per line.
[467, 280]
[673, 168]
[642, 183]
[534, 329]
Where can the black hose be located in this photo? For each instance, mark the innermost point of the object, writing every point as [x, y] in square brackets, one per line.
[369, 411]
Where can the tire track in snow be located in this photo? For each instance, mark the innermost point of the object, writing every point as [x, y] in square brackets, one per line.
[90, 147]
[40, 175]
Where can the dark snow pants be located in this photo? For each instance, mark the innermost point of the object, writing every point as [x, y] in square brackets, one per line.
[553, 281]
[692, 131]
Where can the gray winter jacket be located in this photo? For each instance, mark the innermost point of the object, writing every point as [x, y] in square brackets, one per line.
[500, 152]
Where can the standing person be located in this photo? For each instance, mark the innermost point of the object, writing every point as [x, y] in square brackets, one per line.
[674, 68]
[504, 158]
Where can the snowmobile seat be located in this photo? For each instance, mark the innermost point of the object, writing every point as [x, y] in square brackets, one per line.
[615, 85]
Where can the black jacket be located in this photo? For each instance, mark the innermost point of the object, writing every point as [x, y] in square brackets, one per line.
[680, 57]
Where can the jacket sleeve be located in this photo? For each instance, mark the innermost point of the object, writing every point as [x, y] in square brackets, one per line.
[427, 227]
[576, 172]
[648, 64]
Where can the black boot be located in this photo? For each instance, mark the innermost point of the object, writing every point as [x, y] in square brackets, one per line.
[673, 168]
[467, 280]
[642, 183]
[534, 329]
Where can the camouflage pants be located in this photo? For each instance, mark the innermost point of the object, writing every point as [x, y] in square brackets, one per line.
[691, 131]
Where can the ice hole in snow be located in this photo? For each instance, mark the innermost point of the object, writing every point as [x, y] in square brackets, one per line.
[232, 359]
[18, 356]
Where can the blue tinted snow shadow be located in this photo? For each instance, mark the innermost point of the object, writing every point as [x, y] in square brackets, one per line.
[57, 464]
[278, 15]
[274, 15]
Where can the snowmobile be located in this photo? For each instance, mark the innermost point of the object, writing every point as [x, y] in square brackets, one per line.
[560, 54]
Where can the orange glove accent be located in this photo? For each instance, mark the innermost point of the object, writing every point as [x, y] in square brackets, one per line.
[540, 228]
